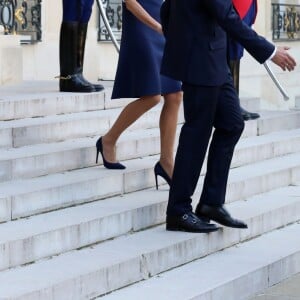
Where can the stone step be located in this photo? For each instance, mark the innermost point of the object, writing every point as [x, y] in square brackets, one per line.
[108, 266]
[250, 103]
[284, 121]
[41, 236]
[30, 131]
[41, 98]
[43, 159]
[57, 128]
[236, 273]
[21, 198]
[288, 288]
[18, 133]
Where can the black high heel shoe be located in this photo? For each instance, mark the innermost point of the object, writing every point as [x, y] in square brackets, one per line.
[159, 171]
[108, 165]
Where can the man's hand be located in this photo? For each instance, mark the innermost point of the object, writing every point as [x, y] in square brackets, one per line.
[283, 59]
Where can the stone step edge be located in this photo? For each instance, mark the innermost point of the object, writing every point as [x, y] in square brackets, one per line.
[77, 116]
[114, 264]
[56, 103]
[132, 216]
[80, 153]
[131, 135]
[34, 106]
[45, 132]
[228, 274]
[136, 165]
[17, 162]
[42, 130]
[273, 173]
[54, 119]
[73, 144]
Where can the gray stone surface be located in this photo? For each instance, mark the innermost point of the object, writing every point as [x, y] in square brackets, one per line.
[263, 213]
[65, 189]
[5, 209]
[41, 98]
[61, 127]
[283, 121]
[89, 231]
[233, 274]
[42, 159]
[117, 263]
[84, 116]
[41, 236]
[289, 289]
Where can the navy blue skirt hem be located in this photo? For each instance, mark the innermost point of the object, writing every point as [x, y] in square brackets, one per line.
[150, 93]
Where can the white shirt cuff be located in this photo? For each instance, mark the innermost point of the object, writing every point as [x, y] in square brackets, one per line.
[273, 54]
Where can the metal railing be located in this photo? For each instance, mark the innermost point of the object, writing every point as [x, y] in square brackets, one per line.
[110, 13]
[285, 22]
[22, 17]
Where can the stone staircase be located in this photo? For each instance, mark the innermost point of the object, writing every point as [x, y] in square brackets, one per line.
[72, 230]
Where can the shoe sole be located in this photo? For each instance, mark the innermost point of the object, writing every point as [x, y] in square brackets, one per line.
[227, 225]
[192, 231]
[249, 119]
[208, 219]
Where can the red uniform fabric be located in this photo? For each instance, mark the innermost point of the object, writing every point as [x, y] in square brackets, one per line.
[242, 6]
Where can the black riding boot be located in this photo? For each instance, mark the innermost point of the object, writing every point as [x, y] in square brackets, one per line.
[70, 80]
[82, 31]
[235, 72]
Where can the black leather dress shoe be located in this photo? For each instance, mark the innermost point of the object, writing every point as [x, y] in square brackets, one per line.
[220, 215]
[247, 115]
[189, 222]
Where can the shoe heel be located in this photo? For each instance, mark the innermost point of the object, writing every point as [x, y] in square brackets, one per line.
[108, 165]
[156, 182]
[97, 156]
[159, 171]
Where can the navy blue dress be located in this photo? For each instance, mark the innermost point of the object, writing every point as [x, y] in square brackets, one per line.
[138, 71]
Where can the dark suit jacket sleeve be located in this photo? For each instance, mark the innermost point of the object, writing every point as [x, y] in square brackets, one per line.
[164, 15]
[228, 19]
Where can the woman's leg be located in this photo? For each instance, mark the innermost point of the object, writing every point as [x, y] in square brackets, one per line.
[168, 125]
[128, 116]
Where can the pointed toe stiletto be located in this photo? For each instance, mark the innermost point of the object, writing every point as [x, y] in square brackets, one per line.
[108, 165]
[159, 171]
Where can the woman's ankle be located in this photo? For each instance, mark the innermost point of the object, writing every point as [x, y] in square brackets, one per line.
[167, 165]
[108, 141]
